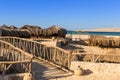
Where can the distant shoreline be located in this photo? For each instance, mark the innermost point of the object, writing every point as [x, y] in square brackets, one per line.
[102, 30]
[94, 33]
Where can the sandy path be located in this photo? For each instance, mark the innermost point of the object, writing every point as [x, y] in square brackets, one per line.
[45, 71]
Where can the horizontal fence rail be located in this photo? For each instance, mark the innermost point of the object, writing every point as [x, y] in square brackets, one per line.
[55, 55]
[12, 58]
[92, 57]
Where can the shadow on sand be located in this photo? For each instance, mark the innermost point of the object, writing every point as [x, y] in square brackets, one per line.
[87, 72]
[42, 72]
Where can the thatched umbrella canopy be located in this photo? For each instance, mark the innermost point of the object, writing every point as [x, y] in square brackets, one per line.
[33, 30]
[15, 33]
[29, 27]
[54, 31]
[13, 27]
[4, 27]
[102, 41]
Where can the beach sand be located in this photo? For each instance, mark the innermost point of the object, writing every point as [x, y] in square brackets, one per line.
[99, 76]
[75, 44]
[81, 43]
[78, 43]
[78, 37]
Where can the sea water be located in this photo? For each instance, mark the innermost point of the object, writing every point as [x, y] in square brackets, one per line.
[95, 33]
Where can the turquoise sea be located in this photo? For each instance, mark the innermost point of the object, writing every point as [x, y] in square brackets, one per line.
[96, 33]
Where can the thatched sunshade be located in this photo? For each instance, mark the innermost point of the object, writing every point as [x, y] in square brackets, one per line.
[13, 27]
[33, 30]
[14, 33]
[54, 31]
[29, 27]
[4, 27]
[102, 41]
[51, 31]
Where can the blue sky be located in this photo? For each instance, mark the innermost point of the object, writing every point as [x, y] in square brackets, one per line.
[70, 14]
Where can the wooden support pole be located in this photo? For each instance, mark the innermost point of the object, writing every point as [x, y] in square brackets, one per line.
[30, 66]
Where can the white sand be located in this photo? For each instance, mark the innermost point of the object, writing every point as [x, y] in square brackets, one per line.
[84, 37]
[95, 50]
[112, 76]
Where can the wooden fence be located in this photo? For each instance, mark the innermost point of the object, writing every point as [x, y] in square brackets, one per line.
[55, 55]
[13, 58]
[98, 58]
